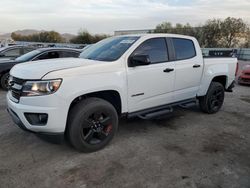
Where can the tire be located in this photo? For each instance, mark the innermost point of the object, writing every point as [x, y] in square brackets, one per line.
[92, 124]
[4, 81]
[213, 100]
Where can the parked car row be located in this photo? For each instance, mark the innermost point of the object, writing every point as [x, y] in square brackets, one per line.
[11, 56]
[12, 52]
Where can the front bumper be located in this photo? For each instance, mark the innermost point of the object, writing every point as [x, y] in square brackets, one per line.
[51, 105]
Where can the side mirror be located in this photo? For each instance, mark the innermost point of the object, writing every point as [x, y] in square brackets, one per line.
[2, 55]
[139, 60]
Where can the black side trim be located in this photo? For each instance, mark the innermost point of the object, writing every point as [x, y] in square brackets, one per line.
[171, 51]
[159, 108]
[138, 94]
[230, 88]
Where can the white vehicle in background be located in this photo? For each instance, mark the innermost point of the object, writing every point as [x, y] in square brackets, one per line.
[135, 75]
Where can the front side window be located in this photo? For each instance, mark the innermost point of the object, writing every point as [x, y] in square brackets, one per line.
[155, 48]
[109, 49]
[28, 56]
[184, 48]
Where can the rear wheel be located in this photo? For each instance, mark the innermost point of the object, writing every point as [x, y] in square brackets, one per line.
[213, 100]
[92, 124]
[4, 81]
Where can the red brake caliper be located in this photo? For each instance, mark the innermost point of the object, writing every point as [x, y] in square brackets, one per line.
[108, 129]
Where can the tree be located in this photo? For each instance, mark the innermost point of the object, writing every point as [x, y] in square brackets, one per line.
[47, 36]
[214, 33]
[165, 27]
[187, 29]
[98, 37]
[51, 36]
[211, 33]
[247, 41]
[84, 37]
[232, 29]
[15, 36]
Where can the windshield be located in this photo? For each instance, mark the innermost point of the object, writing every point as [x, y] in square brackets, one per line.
[28, 56]
[109, 49]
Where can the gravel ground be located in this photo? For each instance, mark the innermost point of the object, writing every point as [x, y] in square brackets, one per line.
[185, 149]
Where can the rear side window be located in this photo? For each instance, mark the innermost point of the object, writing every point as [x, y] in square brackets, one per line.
[184, 48]
[155, 48]
[48, 55]
[69, 54]
[13, 52]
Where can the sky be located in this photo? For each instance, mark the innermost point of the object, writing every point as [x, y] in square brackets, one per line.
[106, 16]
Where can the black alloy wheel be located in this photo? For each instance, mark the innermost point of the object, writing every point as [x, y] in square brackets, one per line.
[92, 124]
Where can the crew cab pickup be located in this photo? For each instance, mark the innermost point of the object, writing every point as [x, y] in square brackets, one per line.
[134, 75]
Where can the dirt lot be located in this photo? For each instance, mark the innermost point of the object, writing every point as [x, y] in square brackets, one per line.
[186, 149]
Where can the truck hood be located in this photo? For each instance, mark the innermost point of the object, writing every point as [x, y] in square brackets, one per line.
[37, 69]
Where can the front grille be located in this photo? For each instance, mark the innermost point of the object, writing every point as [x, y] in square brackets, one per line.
[15, 87]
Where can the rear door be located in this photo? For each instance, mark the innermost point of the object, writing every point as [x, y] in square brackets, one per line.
[151, 85]
[188, 66]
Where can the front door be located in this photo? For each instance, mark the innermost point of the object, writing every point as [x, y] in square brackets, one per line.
[151, 85]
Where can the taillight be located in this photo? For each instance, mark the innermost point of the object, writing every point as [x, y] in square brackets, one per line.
[237, 68]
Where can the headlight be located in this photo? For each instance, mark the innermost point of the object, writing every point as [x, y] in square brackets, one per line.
[44, 87]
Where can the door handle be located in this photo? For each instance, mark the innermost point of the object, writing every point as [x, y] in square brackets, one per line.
[168, 70]
[196, 66]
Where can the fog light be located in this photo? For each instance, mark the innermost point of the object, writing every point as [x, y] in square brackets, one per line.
[36, 119]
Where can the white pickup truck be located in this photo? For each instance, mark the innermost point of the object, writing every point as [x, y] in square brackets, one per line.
[134, 75]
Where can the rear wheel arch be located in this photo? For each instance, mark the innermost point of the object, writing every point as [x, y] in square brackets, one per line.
[222, 79]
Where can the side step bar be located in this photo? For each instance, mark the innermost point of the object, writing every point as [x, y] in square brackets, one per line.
[162, 110]
[153, 114]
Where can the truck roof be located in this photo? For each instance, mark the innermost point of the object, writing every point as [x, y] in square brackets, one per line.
[159, 35]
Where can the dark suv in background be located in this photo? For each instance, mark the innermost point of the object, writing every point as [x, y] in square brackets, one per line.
[12, 52]
[39, 54]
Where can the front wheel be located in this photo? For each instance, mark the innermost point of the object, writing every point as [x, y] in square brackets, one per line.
[92, 124]
[4, 81]
[213, 100]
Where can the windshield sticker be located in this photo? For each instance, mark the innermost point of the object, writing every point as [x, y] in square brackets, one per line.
[127, 41]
